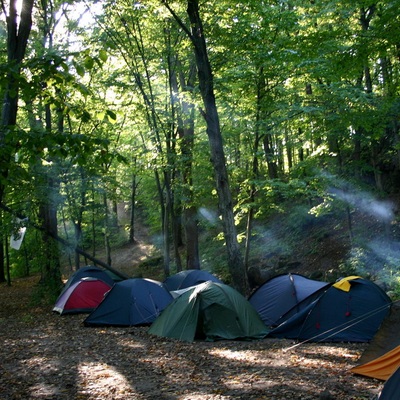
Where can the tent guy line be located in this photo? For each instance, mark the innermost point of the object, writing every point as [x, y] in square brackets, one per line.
[344, 326]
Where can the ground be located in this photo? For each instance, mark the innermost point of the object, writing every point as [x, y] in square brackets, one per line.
[47, 356]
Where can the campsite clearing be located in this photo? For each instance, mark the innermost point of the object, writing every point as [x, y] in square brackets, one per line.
[48, 356]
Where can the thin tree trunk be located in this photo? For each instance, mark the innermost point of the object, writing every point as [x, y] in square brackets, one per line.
[107, 245]
[8, 269]
[186, 134]
[134, 186]
[2, 266]
[210, 114]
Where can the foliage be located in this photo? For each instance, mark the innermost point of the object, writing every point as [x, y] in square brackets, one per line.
[308, 101]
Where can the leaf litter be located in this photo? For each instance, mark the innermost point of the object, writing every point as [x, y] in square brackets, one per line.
[47, 356]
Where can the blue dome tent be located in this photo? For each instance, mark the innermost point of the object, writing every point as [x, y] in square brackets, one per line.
[351, 310]
[188, 278]
[278, 295]
[131, 302]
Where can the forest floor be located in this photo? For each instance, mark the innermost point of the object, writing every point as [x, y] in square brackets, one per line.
[47, 356]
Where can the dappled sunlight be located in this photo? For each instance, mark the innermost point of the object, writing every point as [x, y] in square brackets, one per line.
[93, 376]
[262, 370]
[132, 345]
[246, 356]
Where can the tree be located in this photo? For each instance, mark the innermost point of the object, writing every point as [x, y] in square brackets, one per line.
[18, 31]
[210, 114]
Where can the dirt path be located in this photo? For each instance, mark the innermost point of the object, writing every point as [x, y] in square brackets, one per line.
[45, 356]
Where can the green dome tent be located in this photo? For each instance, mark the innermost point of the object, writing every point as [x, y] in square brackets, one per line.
[209, 311]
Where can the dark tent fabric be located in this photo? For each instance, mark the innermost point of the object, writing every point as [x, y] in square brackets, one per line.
[351, 310]
[210, 311]
[188, 278]
[391, 389]
[282, 293]
[382, 357]
[387, 338]
[82, 296]
[88, 272]
[131, 302]
[382, 367]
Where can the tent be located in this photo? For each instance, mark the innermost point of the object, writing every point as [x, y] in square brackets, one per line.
[382, 357]
[82, 296]
[282, 293]
[386, 339]
[351, 310]
[131, 302]
[88, 272]
[382, 367]
[391, 389]
[210, 310]
[187, 278]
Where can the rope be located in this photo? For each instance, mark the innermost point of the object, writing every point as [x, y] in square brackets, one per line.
[344, 326]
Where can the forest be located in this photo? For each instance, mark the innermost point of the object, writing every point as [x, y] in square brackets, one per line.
[205, 122]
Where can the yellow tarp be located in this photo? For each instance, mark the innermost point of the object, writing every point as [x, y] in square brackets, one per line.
[382, 367]
[344, 283]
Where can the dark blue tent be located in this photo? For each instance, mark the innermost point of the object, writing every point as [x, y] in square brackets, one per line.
[88, 272]
[187, 278]
[131, 302]
[282, 293]
[391, 389]
[351, 310]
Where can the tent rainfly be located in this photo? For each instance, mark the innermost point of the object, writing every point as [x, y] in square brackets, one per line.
[382, 356]
[382, 367]
[82, 296]
[282, 293]
[131, 302]
[209, 311]
[351, 310]
[188, 278]
[89, 271]
[391, 389]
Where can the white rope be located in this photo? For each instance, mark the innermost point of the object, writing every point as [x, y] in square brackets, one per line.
[345, 325]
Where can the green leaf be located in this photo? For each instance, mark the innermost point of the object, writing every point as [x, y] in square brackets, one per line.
[103, 55]
[112, 117]
[79, 69]
[100, 116]
[89, 62]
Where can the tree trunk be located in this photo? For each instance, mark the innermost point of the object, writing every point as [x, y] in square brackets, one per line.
[270, 156]
[2, 255]
[255, 164]
[186, 134]
[17, 39]
[210, 114]
[78, 239]
[134, 186]
[48, 217]
[107, 244]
